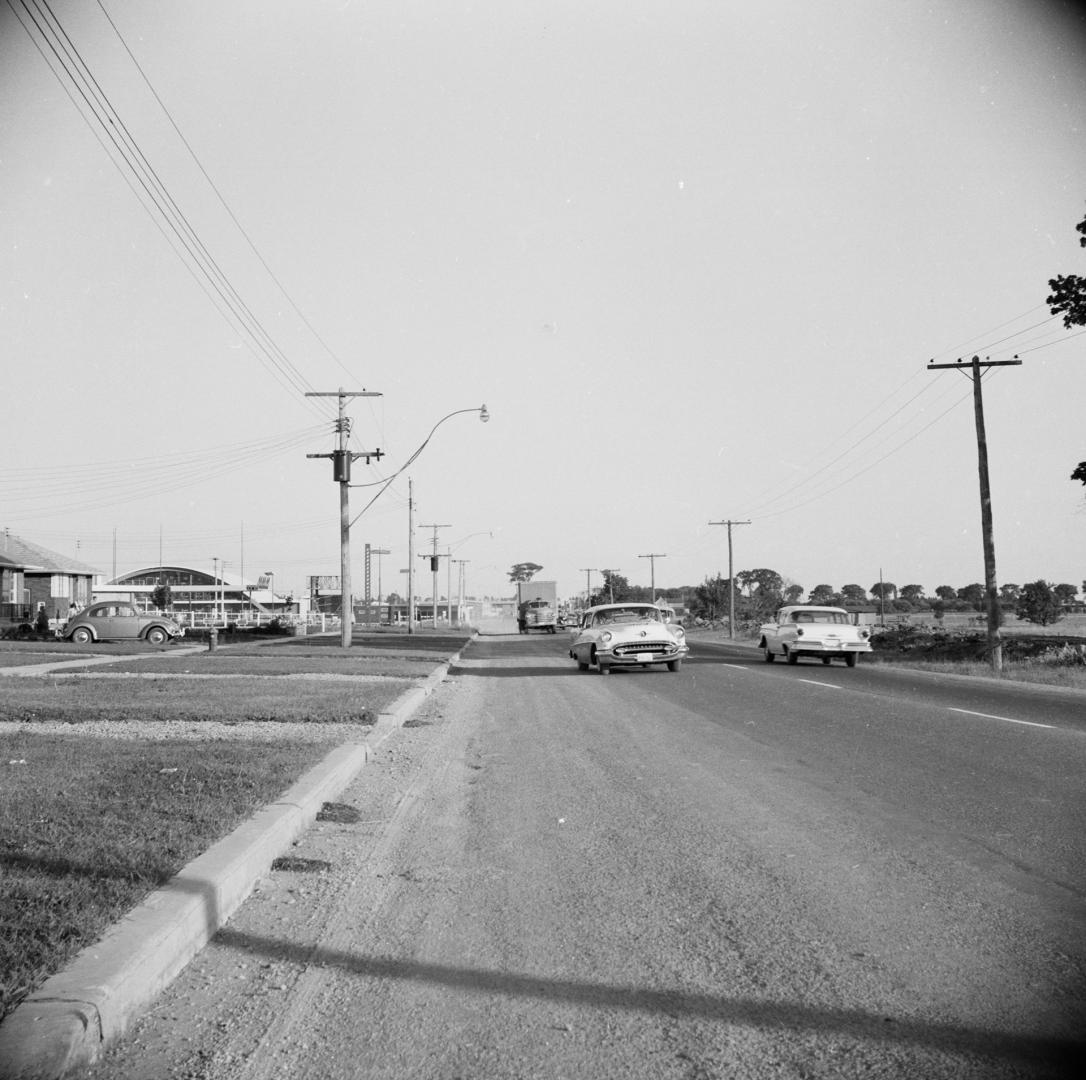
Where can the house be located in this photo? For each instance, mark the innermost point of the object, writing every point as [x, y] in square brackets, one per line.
[33, 577]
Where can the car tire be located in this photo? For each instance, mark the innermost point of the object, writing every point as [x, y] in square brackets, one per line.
[791, 657]
[826, 660]
[674, 665]
[768, 656]
[851, 658]
[157, 636]
[82, 636]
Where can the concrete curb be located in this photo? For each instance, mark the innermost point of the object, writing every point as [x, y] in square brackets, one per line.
[68, 1021]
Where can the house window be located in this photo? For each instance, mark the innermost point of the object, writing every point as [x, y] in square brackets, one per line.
[59, 585]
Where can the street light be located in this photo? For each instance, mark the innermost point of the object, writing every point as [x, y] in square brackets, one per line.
[484, 416]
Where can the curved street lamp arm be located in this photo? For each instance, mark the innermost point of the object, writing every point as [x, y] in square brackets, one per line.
[484, 416]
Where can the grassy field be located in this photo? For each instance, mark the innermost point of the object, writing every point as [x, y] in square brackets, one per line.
[114, 777]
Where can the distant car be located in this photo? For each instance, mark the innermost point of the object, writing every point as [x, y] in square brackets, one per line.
[114, 620]
[827, 633]
[627, 635]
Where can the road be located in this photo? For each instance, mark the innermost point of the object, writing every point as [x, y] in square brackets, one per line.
[735, 870]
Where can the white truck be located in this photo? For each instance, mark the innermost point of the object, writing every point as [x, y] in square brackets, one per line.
[827, 633]
[537, 606]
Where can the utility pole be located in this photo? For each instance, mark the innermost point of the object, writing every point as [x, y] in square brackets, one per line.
[588, 583]
[995, 646]
[370, 552]
[652, 563]
[434, 562]
[341, 473]
[410, 556]
[460, 598]
[731, 575]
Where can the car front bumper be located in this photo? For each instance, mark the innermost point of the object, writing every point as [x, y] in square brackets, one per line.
[630, 654]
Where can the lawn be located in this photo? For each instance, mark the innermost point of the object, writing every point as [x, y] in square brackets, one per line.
[111, 780]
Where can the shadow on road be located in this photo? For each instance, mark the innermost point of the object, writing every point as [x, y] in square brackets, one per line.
[1064, 1054]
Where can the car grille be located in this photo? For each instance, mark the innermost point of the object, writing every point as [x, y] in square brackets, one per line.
[645, 647]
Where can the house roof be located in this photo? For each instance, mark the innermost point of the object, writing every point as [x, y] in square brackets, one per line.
[21, 554]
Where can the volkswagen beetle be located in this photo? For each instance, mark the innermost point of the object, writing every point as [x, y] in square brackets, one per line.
[116, 620]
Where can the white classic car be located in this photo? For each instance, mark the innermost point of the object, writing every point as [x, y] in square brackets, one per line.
[627, 635]
[827, 633]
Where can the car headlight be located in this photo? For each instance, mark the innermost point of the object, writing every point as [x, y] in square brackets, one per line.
[799, 631]
[865, 634]
[678, 631]
[605, 636]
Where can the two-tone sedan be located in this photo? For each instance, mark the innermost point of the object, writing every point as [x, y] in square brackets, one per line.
[117, 620]
[824, 633]
[627, 635]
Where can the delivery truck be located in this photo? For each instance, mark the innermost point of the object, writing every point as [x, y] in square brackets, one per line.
[537, 606]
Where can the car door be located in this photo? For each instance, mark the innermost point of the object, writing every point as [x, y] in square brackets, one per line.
[126, 622]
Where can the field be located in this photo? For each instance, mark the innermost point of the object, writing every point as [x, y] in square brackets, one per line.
[114, 776]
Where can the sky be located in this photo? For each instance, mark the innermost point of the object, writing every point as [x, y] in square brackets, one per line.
[695, 257]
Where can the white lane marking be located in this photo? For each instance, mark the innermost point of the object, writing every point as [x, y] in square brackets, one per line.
[827, 685]
[1005, 719]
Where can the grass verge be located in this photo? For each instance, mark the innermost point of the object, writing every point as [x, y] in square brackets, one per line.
[109, 785]
[89, 826]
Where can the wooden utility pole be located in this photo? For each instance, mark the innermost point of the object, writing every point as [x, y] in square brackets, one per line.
[991, 589]
[341, 473]
[652, 563]
[731, 576]
[434, 558]
[588, 584]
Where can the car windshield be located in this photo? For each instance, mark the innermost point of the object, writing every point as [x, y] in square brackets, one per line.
[627, 615]
[838, 617]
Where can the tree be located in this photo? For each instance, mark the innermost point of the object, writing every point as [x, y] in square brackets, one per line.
[883, 590]
[1039, 604]
[946, 593]
[1009, 593]
[974, 595]
[765, 589]
[162, 596]
[823, 595]
[616, 586]
[1065, 593]
[913, 593]
[1068, 296]
[792, 594]
[524, 571]
[853, 594]
[711, 598]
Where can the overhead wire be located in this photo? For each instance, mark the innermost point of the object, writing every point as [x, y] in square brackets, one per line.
[97, 103]
[759, 507]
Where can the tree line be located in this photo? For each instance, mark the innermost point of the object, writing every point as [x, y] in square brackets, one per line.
[758, 593]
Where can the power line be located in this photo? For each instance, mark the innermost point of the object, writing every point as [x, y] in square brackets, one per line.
[141, 175]
[218, 194]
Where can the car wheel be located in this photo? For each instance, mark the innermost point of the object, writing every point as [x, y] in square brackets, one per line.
[157, 636]
[768, 656]
[851, 658]
[791, 657]
[674, 665]
[82, 636]
[826, 660]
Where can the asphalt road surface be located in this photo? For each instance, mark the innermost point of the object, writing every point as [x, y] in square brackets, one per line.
[736, 870]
